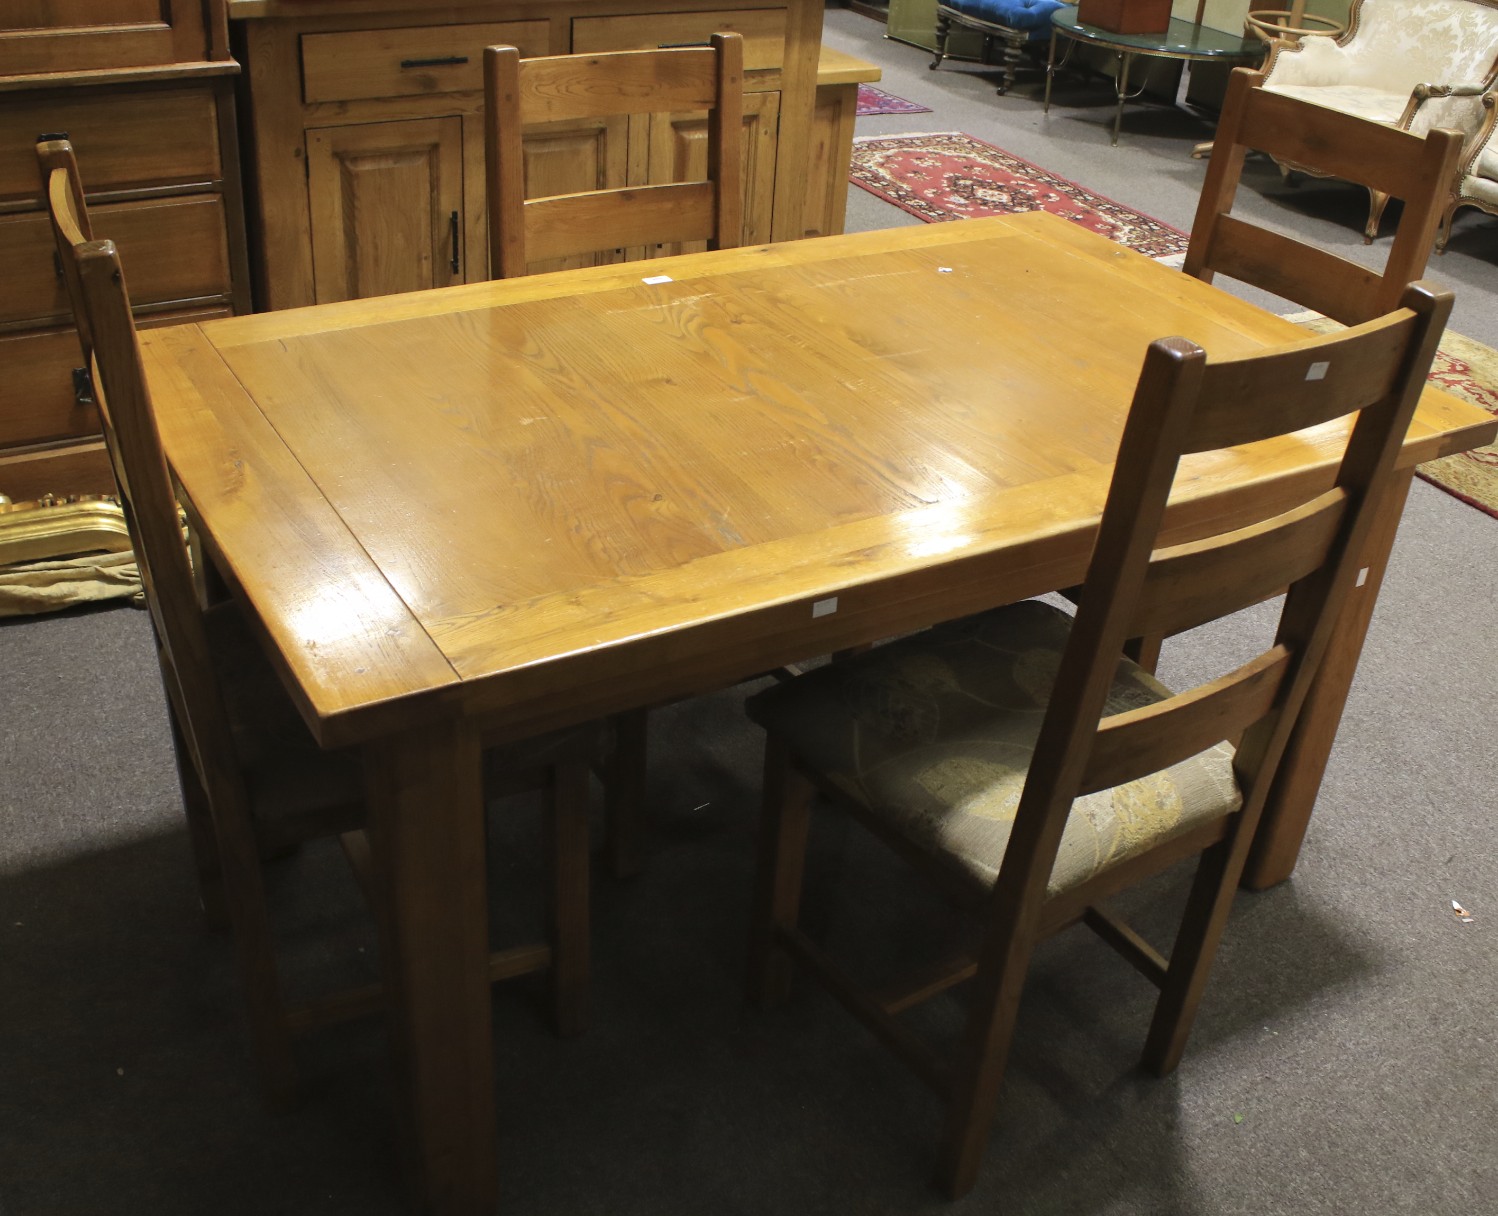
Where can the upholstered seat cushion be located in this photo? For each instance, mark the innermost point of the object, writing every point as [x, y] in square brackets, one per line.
[934, 734]
[1032, 15]
[1376, 105]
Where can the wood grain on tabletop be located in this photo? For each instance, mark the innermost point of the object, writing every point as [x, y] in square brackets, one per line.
[290, 549]
[773, 425]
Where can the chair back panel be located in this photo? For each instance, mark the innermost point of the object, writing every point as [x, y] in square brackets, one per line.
[1185, 402]
[523, 93]
[1417, 170]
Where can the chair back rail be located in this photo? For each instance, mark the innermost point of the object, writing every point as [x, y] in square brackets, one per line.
[1389, 161]
[522, 93]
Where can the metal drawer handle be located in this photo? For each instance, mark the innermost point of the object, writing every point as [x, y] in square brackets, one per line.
[446, 61]
[83, 387]
[453, 228]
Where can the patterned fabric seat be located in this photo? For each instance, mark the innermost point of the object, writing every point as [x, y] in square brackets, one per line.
[1010, 23]
[1411, 64]
[933, 734]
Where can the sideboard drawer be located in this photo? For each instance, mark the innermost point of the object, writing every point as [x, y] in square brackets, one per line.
[160, 137]
[172, 249]
[412, 61]
[38, 398]
[763, 30]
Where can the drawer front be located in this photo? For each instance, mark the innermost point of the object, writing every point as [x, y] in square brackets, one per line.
[172, 249]
[74, 468]
[38, 403]
[409, 62]
[763, 30]
[146, 138]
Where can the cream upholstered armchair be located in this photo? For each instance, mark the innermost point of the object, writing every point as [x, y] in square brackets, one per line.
[1412, 64]
[1477, 178]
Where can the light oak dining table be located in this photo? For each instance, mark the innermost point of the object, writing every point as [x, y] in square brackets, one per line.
[506, 507]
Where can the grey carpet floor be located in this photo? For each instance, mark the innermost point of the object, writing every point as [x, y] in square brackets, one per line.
[1344, 1061]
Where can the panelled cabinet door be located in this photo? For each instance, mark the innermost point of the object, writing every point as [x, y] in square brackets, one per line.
[676, 150]
[386, 204]
[574, 158]
[83, 35]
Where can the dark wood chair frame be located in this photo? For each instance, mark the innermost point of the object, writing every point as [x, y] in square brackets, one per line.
[1185, 402]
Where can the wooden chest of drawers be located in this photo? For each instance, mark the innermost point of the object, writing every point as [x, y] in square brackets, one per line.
[158, 153]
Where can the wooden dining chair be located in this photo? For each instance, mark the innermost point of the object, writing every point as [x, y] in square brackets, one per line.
[636, 87]
[1027, 767]
[1420, 171]
[254, 781]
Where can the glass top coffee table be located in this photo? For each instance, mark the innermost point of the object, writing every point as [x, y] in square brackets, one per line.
[1185, 40]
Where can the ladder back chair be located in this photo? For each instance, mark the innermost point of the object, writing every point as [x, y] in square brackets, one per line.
[561, 88]
[254, 780]
[1420, 171]
[1022, 763]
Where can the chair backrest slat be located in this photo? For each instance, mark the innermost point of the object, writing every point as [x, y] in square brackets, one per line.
[1313, 278]
[561, 87]
[635, 215]
[1305, 384]
[1191, 584]
[1146, 740]
[521, 94]
[1318, 139]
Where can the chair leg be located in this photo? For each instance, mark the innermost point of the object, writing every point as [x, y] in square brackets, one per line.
[624, 793]
[781, 865]
[567, 855]
[1201, 930]
[980, 1066]
[254, 949]
[1443, 230]
[200, 832]
[1377, 201]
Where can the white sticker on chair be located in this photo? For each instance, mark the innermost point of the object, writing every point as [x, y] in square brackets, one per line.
[655, 279]
[824, 607]
[1362, 577]
[1317, 371]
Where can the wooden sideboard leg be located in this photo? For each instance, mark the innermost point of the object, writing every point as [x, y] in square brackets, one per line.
[426, 811]
[1287, 813]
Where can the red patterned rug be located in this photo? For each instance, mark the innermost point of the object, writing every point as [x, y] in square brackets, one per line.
[951, 176]
[877, 101]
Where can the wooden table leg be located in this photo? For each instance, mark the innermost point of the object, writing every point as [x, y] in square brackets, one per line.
[1287, 813]
[425, 797]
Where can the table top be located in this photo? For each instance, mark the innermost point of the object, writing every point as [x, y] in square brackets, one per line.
[1182, 40]
[544, 499]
